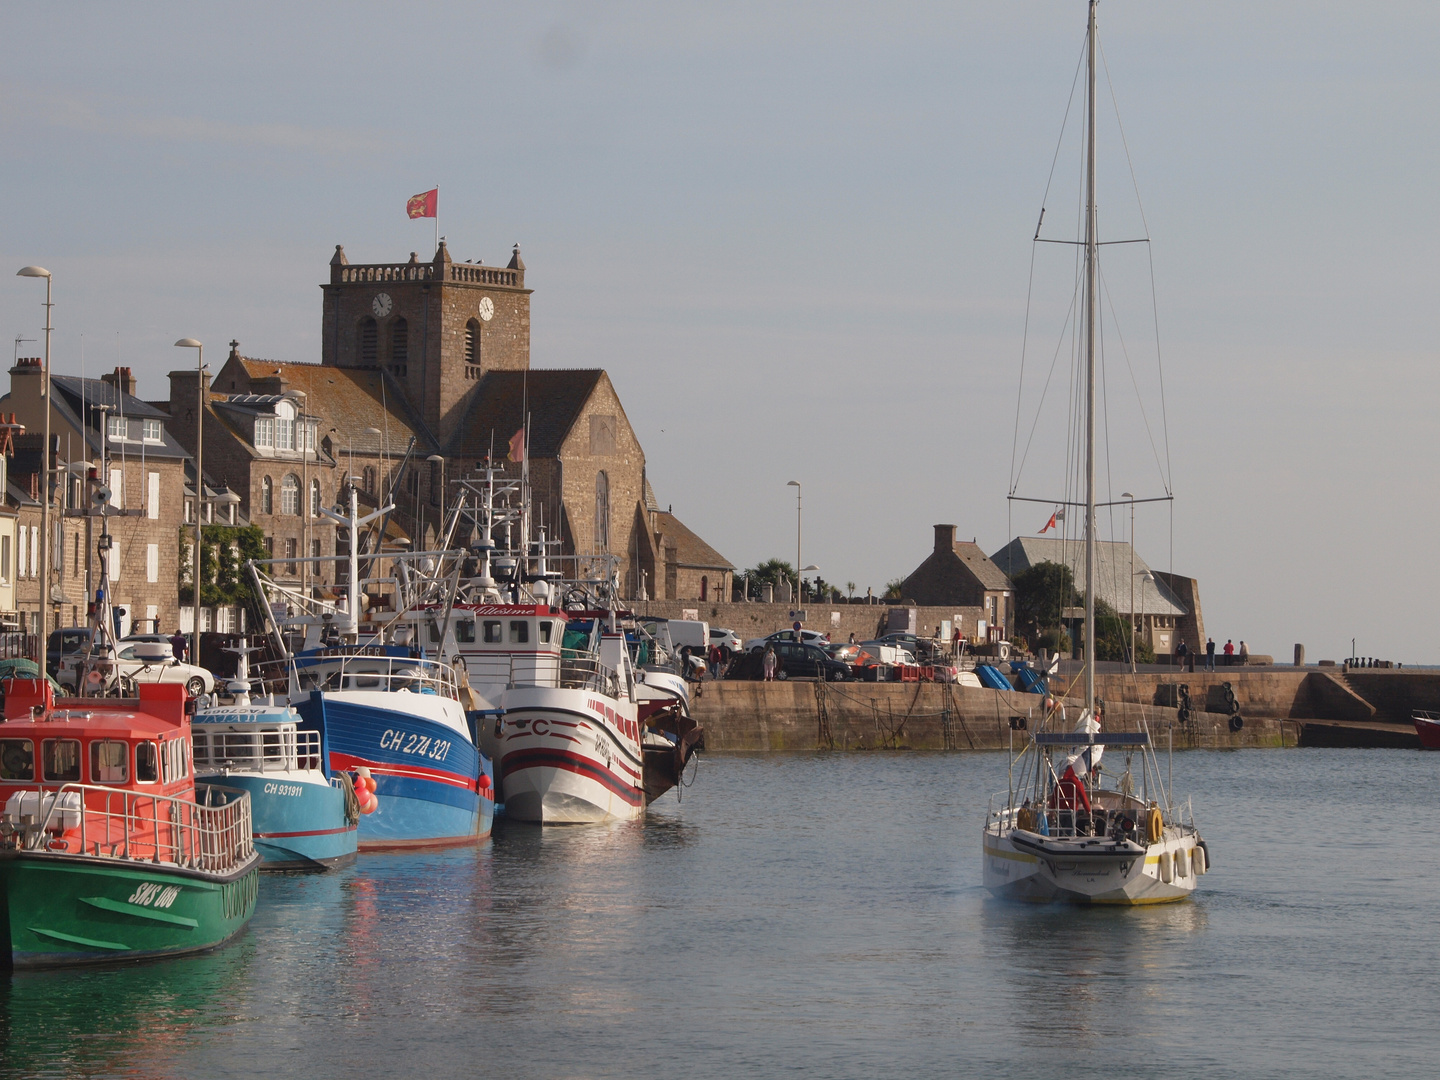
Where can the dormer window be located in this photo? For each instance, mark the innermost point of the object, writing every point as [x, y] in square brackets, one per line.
[285, 426]
[115, 427]
[154, 431]
[264, 432]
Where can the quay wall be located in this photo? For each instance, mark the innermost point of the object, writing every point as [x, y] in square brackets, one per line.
[837, 620]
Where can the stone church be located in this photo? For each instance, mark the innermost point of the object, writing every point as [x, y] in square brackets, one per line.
[429, 364]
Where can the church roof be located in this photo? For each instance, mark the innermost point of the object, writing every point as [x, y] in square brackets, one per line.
[690, 550]
[555, 398]
[1112, 577]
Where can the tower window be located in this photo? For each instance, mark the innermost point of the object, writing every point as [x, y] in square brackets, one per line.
[602, 511]
[267, 496]
[369, 338]
[472, 342]
[399, 341]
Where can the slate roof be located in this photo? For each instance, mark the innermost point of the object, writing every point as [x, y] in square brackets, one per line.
[690, 550]
[555, 397]
[986, 572]
[69, 392]
[1112, 577]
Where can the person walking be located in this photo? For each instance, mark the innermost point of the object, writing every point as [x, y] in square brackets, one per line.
[1181, 651]
[1244, 653]
[715, 660]
[1209, 654]
[177, 645]
[769, 663]
[1229, 652]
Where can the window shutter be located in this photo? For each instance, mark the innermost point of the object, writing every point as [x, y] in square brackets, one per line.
[152, 496]
[117, 488]
[152, 561]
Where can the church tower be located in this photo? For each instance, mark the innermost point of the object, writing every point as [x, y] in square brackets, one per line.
[437, 327]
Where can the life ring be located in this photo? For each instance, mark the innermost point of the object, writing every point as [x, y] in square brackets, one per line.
[1237, 722]
[1154, 825]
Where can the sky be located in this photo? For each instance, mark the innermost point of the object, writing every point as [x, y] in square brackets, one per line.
[798, 237]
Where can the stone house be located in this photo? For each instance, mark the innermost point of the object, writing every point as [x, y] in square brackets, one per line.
[687, 567]
[957, 574]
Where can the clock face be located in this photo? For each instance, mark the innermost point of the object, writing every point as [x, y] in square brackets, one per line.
[487, 308]
[382, 305]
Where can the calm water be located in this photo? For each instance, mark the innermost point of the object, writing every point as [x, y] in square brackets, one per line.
[817, 916]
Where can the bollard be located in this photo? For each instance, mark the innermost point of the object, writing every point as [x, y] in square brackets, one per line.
[1299, 655]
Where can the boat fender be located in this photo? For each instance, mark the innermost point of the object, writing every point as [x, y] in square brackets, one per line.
[1182, 863]
[1204, 851]
[1167, 869]
[483, 784]
[1236, 722]
[1154, 825]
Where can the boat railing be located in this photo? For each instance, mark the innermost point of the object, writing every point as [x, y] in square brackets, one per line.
[370, 671]
[1036, 815]
[565, 670]
[281, 749]
[212, 832]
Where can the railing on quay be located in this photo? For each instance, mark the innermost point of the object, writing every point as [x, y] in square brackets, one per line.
[213, 832]
[284, 748]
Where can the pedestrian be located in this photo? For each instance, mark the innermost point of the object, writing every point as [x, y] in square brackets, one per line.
[715, 659]
[1181, 651]
[852, 637]
[769, 663]
[1244, 653]
[1229, 652]
[1209, 654]
[177, 645]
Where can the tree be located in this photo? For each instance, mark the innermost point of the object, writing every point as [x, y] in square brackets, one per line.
[224, 551]
[1042, 592]
[770, 572]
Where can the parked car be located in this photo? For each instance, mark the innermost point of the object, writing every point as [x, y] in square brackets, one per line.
[63, 642]
[808, 637]
[726, 639]
[851, 655]
[800, 661]
[147, 658]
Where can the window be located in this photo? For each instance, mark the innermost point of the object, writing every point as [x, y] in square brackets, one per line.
[109, 762]
[368, 480]
[154, 431]
[152, 563]
[17, 759]
[290, 494]
[519, 631]
[284, 433]
[173, 763]
[147, 763]
[291, 545]
[602, 511]
[115, 427]
[267, 496]
[315, 549]
[492, 632]
[434, 630]
[368, 341]
[5, 557]
[61, 758]
[269, 547]
[399, 341]
[436, 483]
[465, 630]
[315, 497]
[704, 588]
[472, 342]
[264, 432]
[545, 632]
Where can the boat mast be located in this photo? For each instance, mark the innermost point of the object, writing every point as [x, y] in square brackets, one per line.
[1091, 309]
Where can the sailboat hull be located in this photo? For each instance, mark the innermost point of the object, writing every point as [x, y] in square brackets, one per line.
[1015, 871]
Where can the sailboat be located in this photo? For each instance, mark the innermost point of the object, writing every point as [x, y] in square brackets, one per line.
[1060, 834]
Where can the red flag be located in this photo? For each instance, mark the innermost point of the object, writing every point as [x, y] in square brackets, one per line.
[424, 204]
[1049, 524]
[517, 446]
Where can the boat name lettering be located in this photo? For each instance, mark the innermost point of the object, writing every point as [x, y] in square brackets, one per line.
[153, 895]
[284, 789]
[407, 742]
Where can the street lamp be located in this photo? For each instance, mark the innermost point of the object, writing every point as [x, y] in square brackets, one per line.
[191, 343]
[1131, 613]
[436, 459]
[796, 485]
[806, 570]
[41, 272]
[1144, 576]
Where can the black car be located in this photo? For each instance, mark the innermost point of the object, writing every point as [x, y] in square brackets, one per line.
[796, 661]
[62, 643]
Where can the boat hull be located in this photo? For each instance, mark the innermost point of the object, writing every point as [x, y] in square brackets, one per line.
[1014, 871]
[298, 826]
[426, 769]
[1429, 732]
[60, 910]
[566, 757]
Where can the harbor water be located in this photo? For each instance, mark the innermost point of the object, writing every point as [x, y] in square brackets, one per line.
[813, 915]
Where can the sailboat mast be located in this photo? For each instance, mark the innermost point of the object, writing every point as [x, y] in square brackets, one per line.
[1091, 309]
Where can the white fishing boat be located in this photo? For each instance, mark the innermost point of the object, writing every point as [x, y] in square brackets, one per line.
[1058, 833]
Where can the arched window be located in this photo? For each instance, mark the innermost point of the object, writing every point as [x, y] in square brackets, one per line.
[602, 511]
[472, 342]
[315, 497]
[290, 494]
[704, 588]
[267, 496]
[368, 480]
[368, 339]
[399, 341]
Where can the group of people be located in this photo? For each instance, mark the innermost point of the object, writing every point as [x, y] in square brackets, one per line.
[1230, 652]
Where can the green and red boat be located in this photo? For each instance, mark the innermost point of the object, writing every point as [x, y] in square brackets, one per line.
[108, 849]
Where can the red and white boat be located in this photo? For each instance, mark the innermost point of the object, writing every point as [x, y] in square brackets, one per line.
[1427, 726]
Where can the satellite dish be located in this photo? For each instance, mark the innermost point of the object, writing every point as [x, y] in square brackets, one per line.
[101, 494]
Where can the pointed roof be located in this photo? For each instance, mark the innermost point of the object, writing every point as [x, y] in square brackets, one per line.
[1112, 571]
[556, 398]
[690, 551]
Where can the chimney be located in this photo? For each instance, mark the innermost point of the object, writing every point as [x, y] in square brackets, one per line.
[28, 365]
[945, 538]
[122, 379]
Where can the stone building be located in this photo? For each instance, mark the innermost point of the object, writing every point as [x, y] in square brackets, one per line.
[1158, 613]
[957, 574]
[688, 567]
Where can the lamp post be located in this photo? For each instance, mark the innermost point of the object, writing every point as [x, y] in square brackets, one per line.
[1131, 613]
[41, 272]
[191, 343]
[1144, 576]
[806, 570]
[796, 485]
[437, 460]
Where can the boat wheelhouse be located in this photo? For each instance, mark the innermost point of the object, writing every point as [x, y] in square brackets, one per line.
[108, 848]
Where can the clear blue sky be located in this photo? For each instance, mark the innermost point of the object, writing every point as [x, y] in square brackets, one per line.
[797, 237]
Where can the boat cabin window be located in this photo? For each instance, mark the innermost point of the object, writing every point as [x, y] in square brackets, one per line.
[61, 758]
[172, 760]
[17, 759]
[545, 632]
[492, 631]
[519, 631]
[465, 630]
[147, 763]
[109, 762]
[434, 630]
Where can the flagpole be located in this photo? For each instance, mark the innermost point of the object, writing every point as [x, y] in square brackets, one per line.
[437, 219]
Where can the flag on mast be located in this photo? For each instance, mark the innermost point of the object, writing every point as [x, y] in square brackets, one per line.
[1057, 516]
[517, 446]
[426, 204]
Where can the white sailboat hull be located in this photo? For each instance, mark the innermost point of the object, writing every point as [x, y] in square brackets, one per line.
[1014, 872]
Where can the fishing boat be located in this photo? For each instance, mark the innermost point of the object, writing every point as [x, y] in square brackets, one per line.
[1059, 833]
[109, 850]
[1427, 726]
[303, 817]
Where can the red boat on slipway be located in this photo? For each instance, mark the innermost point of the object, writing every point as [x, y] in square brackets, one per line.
[1427, 726]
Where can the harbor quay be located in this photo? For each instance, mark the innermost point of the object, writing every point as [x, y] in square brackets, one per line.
[1277, 707]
